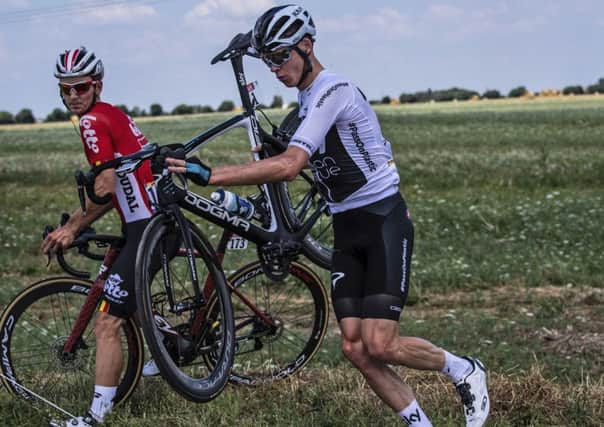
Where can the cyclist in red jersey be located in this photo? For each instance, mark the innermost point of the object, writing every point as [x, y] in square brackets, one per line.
[106, 133]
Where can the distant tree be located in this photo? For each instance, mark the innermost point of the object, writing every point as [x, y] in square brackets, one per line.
[57, 115]
[183, 109]
[123, 108]
[424, 96]
[518, 92]
[293, 104]
[453, 93]
[6, 118]
[25, 116]
[277, 102]
[135, 112]
[573, 90]
[202, 109]
[386, 100]
[156, 110]
[407, 98]
[596, 88]
[143, 113]
[226, 106]
[491, 94]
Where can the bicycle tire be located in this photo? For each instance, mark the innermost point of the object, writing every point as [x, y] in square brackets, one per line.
[298, 306]
[33, 328]
[179, 356]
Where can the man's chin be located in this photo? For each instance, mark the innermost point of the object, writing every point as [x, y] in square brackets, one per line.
[76, 110]
[288, 83]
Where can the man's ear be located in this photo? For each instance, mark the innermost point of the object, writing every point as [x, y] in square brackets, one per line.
[307, 45]
[98, 87]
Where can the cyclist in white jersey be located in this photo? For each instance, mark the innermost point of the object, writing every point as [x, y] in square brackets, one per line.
[340, 137]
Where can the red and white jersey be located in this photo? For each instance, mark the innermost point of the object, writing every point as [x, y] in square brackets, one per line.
[108, 133]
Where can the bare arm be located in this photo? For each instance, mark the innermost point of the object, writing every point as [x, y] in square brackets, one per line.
[63, 236]
[283, 167]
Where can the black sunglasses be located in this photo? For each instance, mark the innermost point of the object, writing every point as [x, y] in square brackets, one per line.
[278, 58]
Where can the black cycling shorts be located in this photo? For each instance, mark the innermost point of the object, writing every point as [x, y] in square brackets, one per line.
[371, 263]
[118, 293]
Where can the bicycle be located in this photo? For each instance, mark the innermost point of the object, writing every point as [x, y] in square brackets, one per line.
[47, 342]
[279, 230]
[48, 345]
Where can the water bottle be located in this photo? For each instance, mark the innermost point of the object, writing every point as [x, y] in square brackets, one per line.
[233, 203]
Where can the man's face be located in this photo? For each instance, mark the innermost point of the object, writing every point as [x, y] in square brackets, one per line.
[78, 93]
[288, 72]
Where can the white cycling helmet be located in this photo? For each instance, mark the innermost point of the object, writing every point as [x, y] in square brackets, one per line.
[77, 63]
[282, 26]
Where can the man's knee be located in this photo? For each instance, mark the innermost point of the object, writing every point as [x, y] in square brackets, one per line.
[380, 337]
[380, 348]
[355, 352]
[107, 326]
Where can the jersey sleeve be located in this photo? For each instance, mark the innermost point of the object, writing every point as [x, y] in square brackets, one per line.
[321, 116]
[96, 136]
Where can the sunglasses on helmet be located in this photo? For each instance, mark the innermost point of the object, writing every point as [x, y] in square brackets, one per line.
[277, 58]
[80, 88]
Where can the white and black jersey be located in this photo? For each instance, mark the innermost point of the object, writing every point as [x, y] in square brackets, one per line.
[351, 160]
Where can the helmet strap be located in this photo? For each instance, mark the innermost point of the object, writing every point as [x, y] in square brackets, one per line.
[307, 65]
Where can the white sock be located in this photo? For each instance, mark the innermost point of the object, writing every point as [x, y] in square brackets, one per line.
[456, 367]
[102, 402]
[414, 416]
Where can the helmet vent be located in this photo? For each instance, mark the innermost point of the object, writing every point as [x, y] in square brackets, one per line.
[293, 28]
[277, 27]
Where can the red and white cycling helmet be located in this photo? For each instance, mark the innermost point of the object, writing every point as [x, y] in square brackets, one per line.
[282, 26]
[77, 63]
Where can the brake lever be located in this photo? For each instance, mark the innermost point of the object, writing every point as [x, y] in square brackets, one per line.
[47, 230]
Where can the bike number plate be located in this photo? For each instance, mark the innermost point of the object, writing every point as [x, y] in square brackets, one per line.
[237, 243]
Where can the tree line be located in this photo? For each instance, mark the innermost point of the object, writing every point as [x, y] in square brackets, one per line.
[461, 94]
[58, 114]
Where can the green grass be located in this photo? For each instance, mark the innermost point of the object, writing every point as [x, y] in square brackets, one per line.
[507, 200]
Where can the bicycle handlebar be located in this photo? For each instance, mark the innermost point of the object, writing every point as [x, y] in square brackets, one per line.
[82, 244]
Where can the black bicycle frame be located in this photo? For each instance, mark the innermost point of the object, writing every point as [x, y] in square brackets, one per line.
[280, 228]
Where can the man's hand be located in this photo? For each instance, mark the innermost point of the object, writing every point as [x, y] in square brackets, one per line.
[192, 168]
[61, 238]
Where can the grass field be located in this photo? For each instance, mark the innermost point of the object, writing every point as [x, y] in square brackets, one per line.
[508, 204]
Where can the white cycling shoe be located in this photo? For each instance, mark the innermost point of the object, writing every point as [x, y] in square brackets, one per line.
[84, 421]
[150, 369]
[474, 394]
[163, 326]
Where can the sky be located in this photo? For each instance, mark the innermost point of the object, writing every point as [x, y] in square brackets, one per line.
[159, 51]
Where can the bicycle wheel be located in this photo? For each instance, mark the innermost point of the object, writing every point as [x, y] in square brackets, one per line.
[166, 299]
[279, 326]
[299, 198]
[34, 327]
